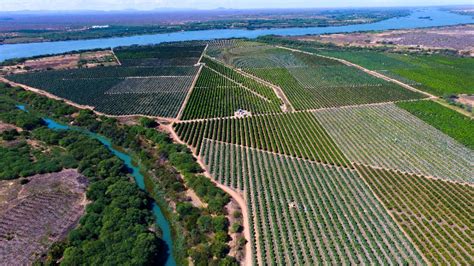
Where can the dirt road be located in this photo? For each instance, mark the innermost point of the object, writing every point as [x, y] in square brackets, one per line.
[237, 196]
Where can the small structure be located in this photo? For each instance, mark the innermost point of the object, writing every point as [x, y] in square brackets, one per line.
[242, 113]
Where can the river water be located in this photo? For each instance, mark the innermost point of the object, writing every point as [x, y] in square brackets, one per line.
[139, 179]
[437, 18]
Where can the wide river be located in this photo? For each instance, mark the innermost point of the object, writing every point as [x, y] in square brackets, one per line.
[437, 18]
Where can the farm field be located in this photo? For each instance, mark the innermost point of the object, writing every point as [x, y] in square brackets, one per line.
[324, 162]
[309, 81]
[220, 91]
[437, 215]
[436, 74]
[150, 81]
[450, 122]
[389, 137]
[307, 213]
[296, 134]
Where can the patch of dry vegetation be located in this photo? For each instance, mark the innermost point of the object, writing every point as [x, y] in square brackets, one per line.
[37, 214]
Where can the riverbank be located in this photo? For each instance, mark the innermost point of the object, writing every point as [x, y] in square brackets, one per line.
[438, 18]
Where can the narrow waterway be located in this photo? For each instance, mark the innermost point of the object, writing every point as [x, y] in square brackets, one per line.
[135, 172]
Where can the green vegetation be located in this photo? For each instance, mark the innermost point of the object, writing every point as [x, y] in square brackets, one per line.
[437, 74]
[296, 134]
[217, 96]
[452, 123]
[242, 80]
[22, 159]
[388, 137]
[160, 158]
[305, 213]
[437, 215]
[115, 228]
[141, 24]
[309, 81]
[152, 80]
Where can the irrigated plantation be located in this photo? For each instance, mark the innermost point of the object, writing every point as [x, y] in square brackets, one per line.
[437, 215]
[152, 80]
[220, 92]
[303, 212]
[389, 137]
[336, 166]
[440, 75]
[310, 81]
[296, 134]
[450, 122]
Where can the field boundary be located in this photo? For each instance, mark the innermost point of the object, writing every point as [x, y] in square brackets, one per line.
[281, 154]
[116, 58]
[183, 105]
[287, 106]
[390, 214]
[236, 195]
[368, 71]
[414, 174]
[239, 84]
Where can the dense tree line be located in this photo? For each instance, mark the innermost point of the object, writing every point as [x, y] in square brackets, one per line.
[166, 162]
[116, 226]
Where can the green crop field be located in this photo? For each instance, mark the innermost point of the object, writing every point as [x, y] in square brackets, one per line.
[151, 81]
[437, 215]
[450, 122]
[390, 137]
[307, 213]
[439, 75]
[296, 134]
[220, 92]
[327, 164]
[309, 81]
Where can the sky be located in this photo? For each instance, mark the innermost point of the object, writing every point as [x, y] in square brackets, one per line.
[15, 5]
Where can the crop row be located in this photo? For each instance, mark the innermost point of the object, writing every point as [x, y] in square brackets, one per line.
[389, 137]
[296, 134]
[305, 213]
[450, 122]
[242, 80]
[111, 72]
[171, 85]
[437, 215]
[214, 95]
[316, 94]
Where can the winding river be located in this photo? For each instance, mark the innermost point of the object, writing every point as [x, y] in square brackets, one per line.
[419, 18]
[139, 180]
[135, 172]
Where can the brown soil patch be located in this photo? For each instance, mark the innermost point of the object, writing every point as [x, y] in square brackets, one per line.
[39, 213]
[458, 38]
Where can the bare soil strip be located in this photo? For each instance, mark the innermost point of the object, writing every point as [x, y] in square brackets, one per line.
[241, 85]
[183, 105]
[373, 73]
[115, 56]
[237, 196]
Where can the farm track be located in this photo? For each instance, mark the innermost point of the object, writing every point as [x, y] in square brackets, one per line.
[115, 56]
[80, 106]
[237, 196]
[183, 105]
[287, 106]
[368, 71]
[240, 85]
